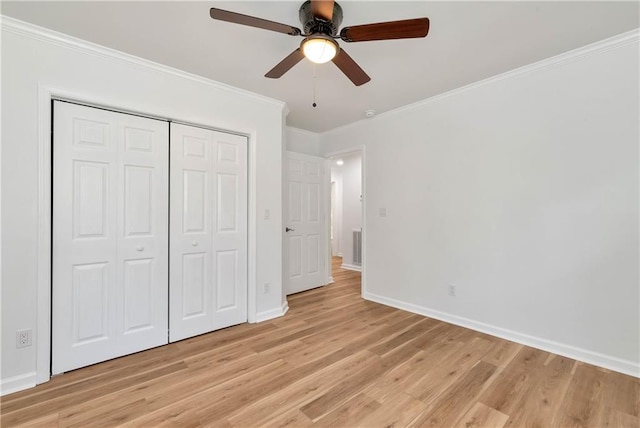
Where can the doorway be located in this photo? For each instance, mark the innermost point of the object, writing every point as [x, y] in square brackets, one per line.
[347, 212]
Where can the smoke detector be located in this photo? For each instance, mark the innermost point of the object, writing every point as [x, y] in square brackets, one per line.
[369, 113]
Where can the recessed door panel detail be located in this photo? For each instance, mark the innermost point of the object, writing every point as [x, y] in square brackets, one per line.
[90, 134]
[313, 202]
[195, 148]
[295, 202]
[110, 235]
[140, 140]
[90, 199]
[138, 280]
[193, 280]
[227, 202]
[208, 255]
[295, 256]
[195, 201]
[227, 152]
[226, 268]
[295, 167]
[313, 253]
[90, 302]
[138, 204]
[313, 168]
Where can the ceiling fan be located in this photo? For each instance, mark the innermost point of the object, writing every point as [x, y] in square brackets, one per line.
[321, 20]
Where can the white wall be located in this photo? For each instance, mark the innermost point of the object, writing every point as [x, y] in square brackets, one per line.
[302, 141]
[522, 191]
[34, 60]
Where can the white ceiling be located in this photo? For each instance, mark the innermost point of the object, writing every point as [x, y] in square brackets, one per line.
[468, 41]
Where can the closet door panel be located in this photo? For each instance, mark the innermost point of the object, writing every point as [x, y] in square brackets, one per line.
[190, 309]
[110, 235]
[230, 231]
[143, 230]
[209, 231]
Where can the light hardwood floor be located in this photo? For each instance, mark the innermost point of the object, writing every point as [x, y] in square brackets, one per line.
[334, 360]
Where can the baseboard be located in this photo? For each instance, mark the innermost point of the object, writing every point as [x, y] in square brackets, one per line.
[331, 281]
[339, 254]
[273, 313]
[351, 267]
[17, 383]
[612, 363]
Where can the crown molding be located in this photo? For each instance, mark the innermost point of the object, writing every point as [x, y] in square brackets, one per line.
[596, 48]
[52, 37]
[303, 131]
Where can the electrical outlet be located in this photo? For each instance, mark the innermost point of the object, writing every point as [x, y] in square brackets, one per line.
[267, 288]
[452, 290]
[23, 338]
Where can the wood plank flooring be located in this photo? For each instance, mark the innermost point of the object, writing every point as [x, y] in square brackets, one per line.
[334, 360]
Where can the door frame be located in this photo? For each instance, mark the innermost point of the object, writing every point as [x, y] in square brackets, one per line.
[46, 95]
[355, 149]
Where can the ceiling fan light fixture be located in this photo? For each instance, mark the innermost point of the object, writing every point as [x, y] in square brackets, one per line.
[319, 48]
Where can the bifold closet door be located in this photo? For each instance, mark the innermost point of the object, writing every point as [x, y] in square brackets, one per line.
[110, 235]
[208, 215]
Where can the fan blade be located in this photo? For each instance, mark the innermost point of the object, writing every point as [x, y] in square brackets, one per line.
[349, 67]
[238, 18]
[406, 29]
[286, 64]
[322, 9]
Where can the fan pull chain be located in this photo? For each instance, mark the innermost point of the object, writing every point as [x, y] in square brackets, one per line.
[314, 86]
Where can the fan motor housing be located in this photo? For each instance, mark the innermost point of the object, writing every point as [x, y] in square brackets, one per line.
[312, 25]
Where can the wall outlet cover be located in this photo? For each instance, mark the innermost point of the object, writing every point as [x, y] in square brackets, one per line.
[23, 338]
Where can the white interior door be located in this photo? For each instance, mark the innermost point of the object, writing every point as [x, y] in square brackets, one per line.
[110, 235]
[306, 257]
[208, 284]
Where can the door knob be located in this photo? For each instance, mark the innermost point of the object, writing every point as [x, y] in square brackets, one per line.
[288, 229]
